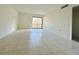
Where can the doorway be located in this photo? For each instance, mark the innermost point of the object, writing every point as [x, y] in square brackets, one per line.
[75, 23]
[37, 22]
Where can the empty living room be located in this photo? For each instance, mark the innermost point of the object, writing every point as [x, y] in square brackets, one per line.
[39, 29]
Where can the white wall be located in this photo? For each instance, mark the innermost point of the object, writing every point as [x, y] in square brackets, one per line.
[8, 19]
[25, 20]
[60, 22]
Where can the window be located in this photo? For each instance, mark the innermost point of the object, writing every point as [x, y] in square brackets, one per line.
[37, 22]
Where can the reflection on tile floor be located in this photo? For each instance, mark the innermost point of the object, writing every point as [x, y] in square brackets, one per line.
[37, 42]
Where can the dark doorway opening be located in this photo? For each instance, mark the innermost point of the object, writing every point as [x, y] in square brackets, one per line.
[75, 23]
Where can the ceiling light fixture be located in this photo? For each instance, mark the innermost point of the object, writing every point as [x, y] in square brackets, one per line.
[65, 6]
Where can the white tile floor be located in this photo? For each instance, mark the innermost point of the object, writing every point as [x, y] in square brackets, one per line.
[37, 42]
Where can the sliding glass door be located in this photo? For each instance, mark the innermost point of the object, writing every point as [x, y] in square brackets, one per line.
[37, 22]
